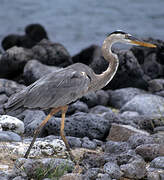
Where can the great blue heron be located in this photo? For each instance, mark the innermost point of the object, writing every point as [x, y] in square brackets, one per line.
[56, 90]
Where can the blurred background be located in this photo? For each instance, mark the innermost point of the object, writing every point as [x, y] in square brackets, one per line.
[78, 24]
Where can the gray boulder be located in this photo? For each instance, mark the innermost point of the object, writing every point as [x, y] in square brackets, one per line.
[120, 97]
[158, 162]
[150, 151]
[9, 87]
[145, 104]
[139, 139]
[32, 119]
[9, 136]
[134, 169]
[34, 70]
[113, 170]
[99, 109]
[115, 148]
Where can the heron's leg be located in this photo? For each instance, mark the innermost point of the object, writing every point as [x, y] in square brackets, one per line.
[53, 111]
[62, 134]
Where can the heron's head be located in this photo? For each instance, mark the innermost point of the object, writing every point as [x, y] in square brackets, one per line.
[120, 36]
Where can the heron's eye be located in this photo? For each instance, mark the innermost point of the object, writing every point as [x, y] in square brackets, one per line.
[126, 36]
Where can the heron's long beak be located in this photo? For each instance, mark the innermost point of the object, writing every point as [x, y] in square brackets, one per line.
[135, 41]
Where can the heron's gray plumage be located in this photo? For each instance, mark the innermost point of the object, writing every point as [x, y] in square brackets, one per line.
[55, 89]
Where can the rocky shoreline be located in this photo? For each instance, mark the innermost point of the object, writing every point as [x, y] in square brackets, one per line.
[115, 133]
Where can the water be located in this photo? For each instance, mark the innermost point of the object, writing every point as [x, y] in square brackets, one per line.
[78, 24]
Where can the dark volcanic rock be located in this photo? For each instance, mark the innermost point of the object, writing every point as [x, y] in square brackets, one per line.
[134, 169]
[90, 99]
[119, 97]
[53, 54]
[34, 70]
[112, 147]
[150, 151]
[158, 162]
[113, 170]
[151, 59]
[13, 61]
[129, 73]
[139, 139]
[80, 125]
[34, 34]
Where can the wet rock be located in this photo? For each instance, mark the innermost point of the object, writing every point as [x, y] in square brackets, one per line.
[134, 169]
[53, 54]
[34, 34]
[13, 61]
[99, 109]
[9, 136]
[12, 124]
[122, 133]
[113, 170]
[120, 97]
[150, 151]
[158, 163]
[112, 147]
[79, 125]
[34, 70]
[145, 104]
[140, 139]
[86, 143]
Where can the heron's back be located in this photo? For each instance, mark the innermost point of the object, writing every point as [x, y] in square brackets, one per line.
[55, 89]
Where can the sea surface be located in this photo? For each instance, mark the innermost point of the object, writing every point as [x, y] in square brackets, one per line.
[77, 24]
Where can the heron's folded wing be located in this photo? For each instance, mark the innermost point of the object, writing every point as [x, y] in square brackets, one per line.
[57, 89]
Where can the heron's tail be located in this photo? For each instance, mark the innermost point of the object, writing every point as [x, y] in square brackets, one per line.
[15, 101]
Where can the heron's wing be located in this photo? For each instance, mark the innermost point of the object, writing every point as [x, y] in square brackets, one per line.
[57, 89]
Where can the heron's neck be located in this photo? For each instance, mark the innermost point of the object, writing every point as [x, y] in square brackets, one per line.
[104, 78]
